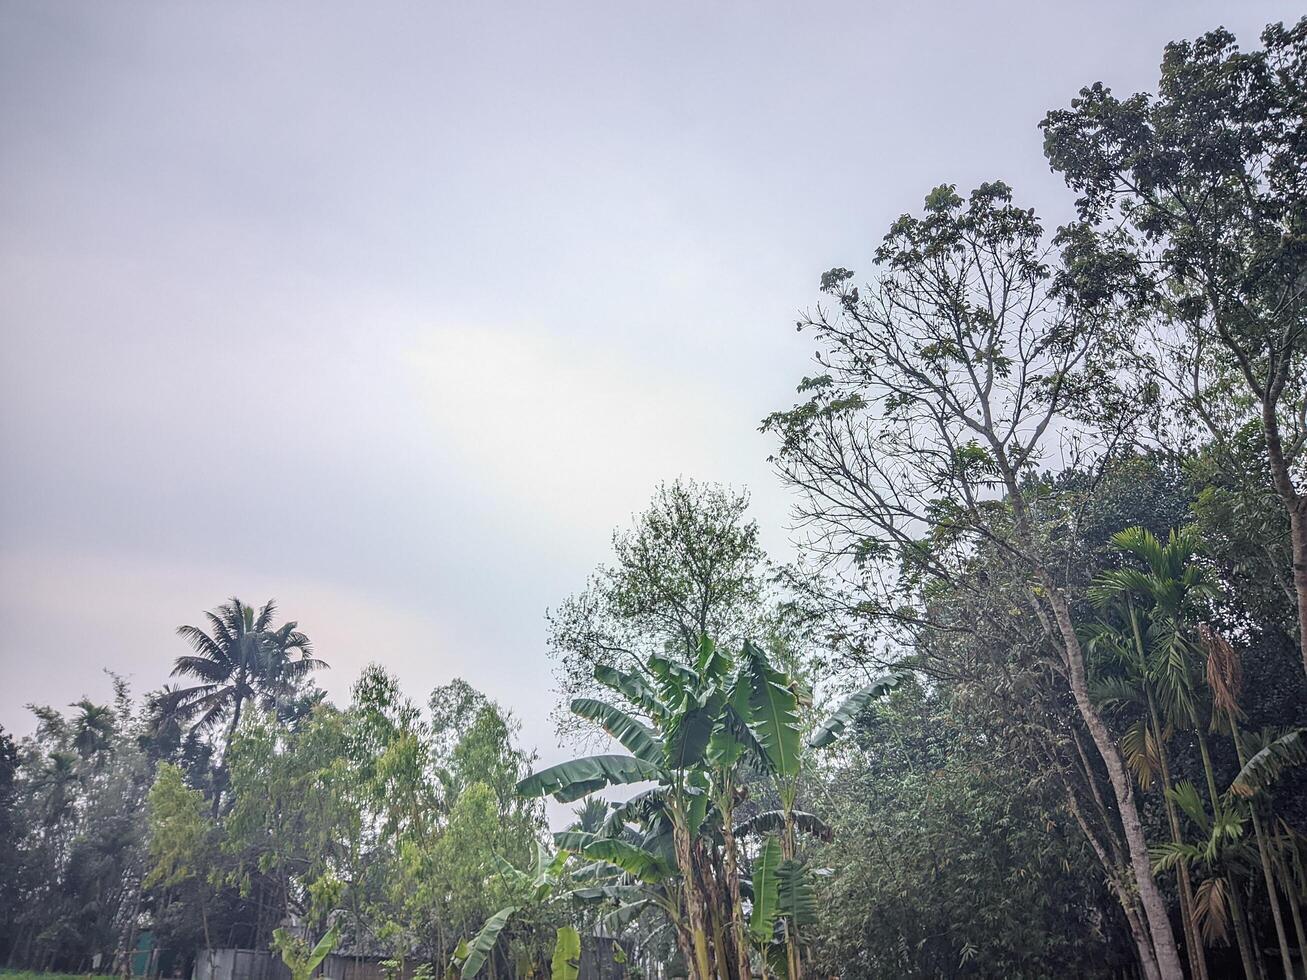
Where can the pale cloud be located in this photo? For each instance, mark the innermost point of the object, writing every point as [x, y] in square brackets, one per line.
[560, 426]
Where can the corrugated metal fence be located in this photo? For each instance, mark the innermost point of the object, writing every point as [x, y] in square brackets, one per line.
[597, 963]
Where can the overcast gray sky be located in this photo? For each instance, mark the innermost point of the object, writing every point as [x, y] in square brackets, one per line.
[393, 311]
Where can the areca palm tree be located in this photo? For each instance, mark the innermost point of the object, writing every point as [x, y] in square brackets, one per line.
[1146, 659]
[242, 657]
[92, 728]
[1185, 677]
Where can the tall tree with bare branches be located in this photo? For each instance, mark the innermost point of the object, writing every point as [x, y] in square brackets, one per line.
[944, 390]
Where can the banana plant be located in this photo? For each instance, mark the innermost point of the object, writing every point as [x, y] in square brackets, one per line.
[540, 885]
[300, 960]
[693, 730]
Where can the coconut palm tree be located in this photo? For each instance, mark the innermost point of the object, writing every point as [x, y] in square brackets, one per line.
[242, 657]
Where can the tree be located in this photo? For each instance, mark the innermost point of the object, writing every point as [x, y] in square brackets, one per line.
[243, 657]
[181, 839]
[1195, 202]
[949, 854]
[690, 566]
[943, 390]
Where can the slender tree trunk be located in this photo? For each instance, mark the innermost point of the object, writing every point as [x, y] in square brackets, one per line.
[1247, 951]
[226, 750]
[1143, 946]
[1247, 954]
[1197, 955]
[1267, 871]
[1150, 897]
[1295, 908]
[1296, 505]
[1117, 881]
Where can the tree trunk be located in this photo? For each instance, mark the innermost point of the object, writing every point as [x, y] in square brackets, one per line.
[1295, 907]
[1247, 951]
[1247, 954]
[1296, 505]
[1119, 887]
[1267, 872]
[1150, 897]
[226, 749]
[1197, 955]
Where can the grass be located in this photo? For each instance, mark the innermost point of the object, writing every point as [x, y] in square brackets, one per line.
[29, 975]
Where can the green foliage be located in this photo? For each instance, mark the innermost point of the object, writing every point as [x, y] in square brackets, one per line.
[566, 963]
[850, 708]
[774, 712]
[766, 891]
[1266, 766]
[569, 781]
[179, 829]
[476, 952]
[300, 960]
[633, 734]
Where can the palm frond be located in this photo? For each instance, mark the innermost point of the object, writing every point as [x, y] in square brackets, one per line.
[203, 644]
[1269, 764]
[1212, 910]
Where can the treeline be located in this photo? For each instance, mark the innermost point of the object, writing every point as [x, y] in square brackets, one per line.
[214, 814]
[1031, 703]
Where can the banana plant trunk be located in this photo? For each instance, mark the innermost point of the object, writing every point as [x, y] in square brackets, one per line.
[793, 953]
[715, 902]
[732, 858]
[701, 965]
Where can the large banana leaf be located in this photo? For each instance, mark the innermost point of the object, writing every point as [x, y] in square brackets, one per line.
[644, 807]
[766, 892]
[852, 706]
[637, 862]
[619, 918]
[797, 901]
[733, 739]
[572, 840]
[712, 663]
[676, 682]
[613, 893]
[773, 822]
[775, 712]
[1265, 767]
[566, 964]
[690, 729]
[570, 781]
[634, 735]
[478, 950]
[633, 687]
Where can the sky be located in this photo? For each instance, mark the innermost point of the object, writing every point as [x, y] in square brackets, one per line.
[394, 311]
